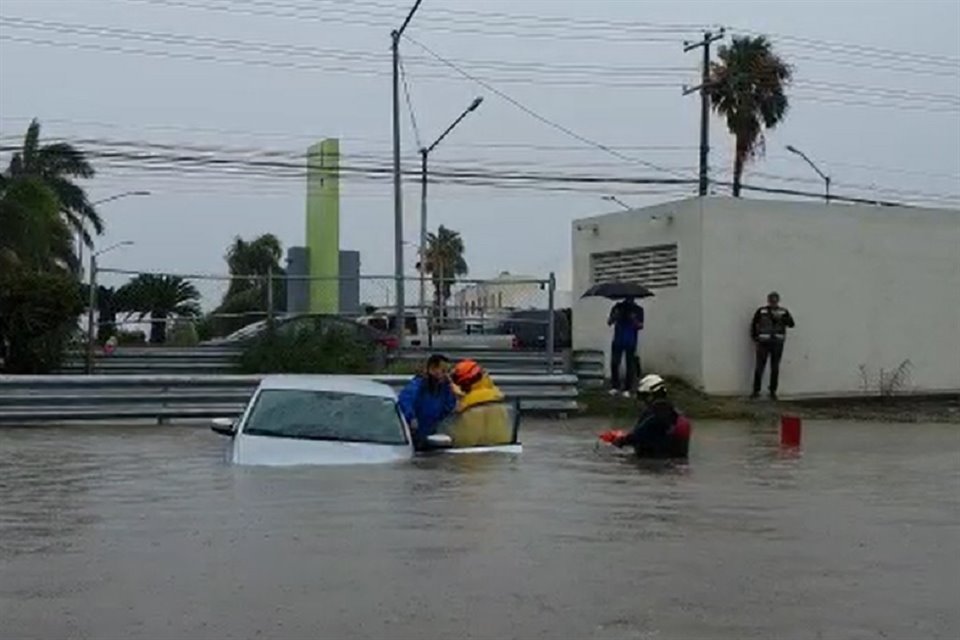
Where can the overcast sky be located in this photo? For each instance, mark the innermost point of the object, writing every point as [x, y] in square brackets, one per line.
[876, 103]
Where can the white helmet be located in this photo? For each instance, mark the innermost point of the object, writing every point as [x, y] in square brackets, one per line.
[652, 383]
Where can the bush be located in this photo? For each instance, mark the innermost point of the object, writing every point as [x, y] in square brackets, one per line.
[131, 338]
[309, 351]
[38, 317]
[183, 334]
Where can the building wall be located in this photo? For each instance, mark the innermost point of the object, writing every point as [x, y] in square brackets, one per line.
[350, 282]
[671, 341]
[298, 291]
[869, 287]
[504, 293]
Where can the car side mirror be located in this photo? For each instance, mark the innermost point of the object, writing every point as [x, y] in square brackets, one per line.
[224, 426]
[439, 441]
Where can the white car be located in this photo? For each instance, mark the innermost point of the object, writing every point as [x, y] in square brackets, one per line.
[332, 420]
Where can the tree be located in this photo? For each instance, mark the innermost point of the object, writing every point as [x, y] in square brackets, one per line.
[38, 313]
[33, 236]
[747, 88]
[58, 165]
[444, 262]
[246, 298]
[160, 298]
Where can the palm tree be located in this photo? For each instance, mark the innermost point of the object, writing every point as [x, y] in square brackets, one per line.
[58, 165]
[33, 236]
[160, 298]
[444, 262]
[747, 88]
[246, 297]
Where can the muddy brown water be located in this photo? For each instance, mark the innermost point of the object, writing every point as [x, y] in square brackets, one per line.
[144, 532]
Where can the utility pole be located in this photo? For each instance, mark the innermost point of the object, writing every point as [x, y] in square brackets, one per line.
[704, 88]
[397, 188]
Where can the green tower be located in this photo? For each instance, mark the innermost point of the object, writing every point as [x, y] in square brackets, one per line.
[323, 225]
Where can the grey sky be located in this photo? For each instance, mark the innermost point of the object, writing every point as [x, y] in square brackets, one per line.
[189, 220]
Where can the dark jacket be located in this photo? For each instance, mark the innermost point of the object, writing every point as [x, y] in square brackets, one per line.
[770, 324]
[653, 435]
[627, 320]
[427, 403]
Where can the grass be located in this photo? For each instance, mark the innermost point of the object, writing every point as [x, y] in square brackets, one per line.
[690, 401]
[698, 405]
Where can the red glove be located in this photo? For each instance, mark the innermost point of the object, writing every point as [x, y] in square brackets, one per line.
[613, 436]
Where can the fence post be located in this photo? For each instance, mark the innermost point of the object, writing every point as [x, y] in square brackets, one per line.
[270, 297]
[92, 304]
[551, 321]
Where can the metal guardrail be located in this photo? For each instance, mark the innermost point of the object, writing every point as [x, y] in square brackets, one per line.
[67, 398]
[589, 366]
[223, 360]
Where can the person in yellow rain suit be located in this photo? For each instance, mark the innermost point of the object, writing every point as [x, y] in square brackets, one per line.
[483, 416]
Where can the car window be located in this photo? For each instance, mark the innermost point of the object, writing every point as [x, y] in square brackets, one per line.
[380, 324]
[325, 415]
[410, 325]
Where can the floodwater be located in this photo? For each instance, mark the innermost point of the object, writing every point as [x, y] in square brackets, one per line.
[144, 532]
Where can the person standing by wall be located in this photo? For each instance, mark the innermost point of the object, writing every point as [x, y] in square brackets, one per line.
[769, 332]
[626, 318]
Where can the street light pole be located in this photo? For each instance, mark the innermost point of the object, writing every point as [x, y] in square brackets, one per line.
[424, 152]
[92, 301]
[125, 194]
[826, 178]
[397, 188]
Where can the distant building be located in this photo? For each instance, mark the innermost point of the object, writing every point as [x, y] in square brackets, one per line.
[348, 282]
[871, 288]
[505, 293]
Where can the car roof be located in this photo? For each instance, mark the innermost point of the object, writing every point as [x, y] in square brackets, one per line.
[341, 384]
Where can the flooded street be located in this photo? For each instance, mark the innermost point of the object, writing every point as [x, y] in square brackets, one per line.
[144, 532]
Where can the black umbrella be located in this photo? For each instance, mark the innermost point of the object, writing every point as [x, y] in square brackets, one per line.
[617, 291]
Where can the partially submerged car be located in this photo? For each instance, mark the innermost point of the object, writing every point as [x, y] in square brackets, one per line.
[338, 420]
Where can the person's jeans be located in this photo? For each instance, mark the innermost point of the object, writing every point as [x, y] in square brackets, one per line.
[772, 351]
[629, 354]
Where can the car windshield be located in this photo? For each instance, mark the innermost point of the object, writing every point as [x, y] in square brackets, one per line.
[325, 415]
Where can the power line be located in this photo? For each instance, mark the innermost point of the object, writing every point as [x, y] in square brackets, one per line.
[537, 116]
[453, 26]
[559, 77]
[406, 93]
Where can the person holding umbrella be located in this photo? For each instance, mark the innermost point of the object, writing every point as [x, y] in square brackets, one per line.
[626, 318]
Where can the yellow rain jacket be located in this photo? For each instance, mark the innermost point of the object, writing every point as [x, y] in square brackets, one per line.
[483, 419]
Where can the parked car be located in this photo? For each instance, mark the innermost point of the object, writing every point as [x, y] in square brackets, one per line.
[530, 328]
[327, 420]
[417, 334]
[334, 420]
[317, 322]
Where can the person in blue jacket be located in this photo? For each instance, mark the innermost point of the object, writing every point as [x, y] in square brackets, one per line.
[428, 398]
[626, 318]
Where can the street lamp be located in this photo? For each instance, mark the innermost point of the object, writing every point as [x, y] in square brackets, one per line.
[826, 178]
[92, 299]
[618, 201]
[118, 196]
[424, 152]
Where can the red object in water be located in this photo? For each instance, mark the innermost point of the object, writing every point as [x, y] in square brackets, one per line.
[682, 428]
[790, 431]
[612, 435]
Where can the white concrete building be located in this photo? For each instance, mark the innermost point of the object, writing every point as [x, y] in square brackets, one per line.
[870, 288]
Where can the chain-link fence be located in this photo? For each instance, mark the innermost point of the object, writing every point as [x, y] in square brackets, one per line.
[186, 309]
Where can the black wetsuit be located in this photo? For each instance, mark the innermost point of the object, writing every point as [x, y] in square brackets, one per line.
[651, 437]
